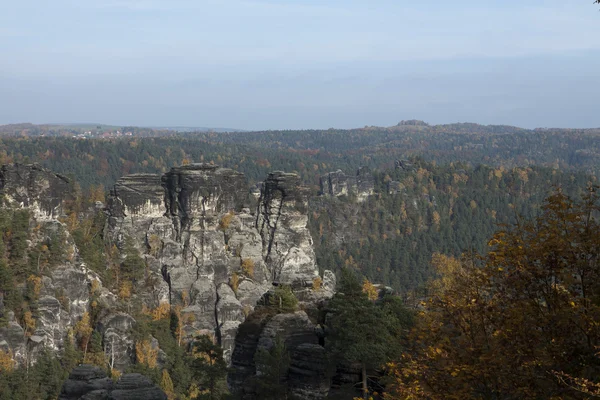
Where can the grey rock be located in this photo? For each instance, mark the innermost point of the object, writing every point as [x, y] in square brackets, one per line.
[395, 187]
[336, 184]
[307, 376]
[88, 382]
[116, 330]
[31, 186]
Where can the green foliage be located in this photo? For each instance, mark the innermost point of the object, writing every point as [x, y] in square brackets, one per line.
[390, 238]
[283, 299]
[273, 365]
[89, 239]
[522, 320]
[42, 381]
[133, 266]
[362, 331]
[208, 368]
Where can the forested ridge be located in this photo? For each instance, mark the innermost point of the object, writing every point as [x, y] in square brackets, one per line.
[311, 153]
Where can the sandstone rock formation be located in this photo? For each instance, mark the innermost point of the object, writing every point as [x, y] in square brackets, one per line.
[87, 382]
[33, 187]
[215, 248]
[339, 184]
[63, 290]
[212, 248]
[307, 377]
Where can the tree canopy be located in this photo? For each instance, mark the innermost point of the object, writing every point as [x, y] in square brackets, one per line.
[518, 323]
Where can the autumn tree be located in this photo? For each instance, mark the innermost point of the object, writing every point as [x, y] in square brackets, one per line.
[520, 322]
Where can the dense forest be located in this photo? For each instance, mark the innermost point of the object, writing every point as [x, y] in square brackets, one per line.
[488, 235]
[309, 153]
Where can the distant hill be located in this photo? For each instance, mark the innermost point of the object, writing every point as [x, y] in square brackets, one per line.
[98, 130]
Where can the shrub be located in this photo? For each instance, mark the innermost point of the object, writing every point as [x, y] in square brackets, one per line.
[283, 299]
[317, 283]
[226, 221]
[234, 282]
[248, 267]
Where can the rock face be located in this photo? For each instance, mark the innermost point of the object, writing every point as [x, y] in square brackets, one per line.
[64, 294]
[403, 165]
[31, 186]
[307, 376]
[395, 187]
[91, 383]
[214, 247]
[339, 184]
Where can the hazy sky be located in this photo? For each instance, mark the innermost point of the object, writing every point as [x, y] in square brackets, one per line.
[270, 64]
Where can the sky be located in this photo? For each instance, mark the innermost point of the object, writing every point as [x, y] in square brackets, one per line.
[293, 64]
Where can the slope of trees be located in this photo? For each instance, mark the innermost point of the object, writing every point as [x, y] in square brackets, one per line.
[518, 323]
[448, 209]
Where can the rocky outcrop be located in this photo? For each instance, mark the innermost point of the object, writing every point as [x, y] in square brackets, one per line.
[213, 245]
[395, 187]
[282, 217]
[339, 184]
[404, 165]
[307, 376]
[62, 293]
[87, 382]
[35, 188]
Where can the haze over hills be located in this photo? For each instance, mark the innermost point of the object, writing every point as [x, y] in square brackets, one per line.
[64, 129]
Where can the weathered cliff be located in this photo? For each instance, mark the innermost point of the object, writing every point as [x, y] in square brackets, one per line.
[338, 183]
[60, 291]
[89, 382]
[215, 248]
[33, 187]
[211, 247]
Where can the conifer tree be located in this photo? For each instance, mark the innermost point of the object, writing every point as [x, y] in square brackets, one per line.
[273, 365]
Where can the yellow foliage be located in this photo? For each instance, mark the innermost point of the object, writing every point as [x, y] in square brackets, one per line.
[166, 384]
[97, 358]
[161, 312]
[226, 221]
[145, 354]
[234, 282]
[29, 323]
[35, 283]
[317, 283]
[248, 267]
[7, 364]
[125, 290]
[436, 218]
[83, 330]
[95, 287]
[370, 290]
[115, 374]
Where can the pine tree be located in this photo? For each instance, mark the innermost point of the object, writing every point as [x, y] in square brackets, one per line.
[363, 331]
[273, 365]
[209, 368]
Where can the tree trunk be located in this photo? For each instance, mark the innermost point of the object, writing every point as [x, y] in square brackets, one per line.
[364, 382]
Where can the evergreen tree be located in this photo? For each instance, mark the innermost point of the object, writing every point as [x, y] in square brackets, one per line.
[209, 368]
[272, 365]
[364, 331]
